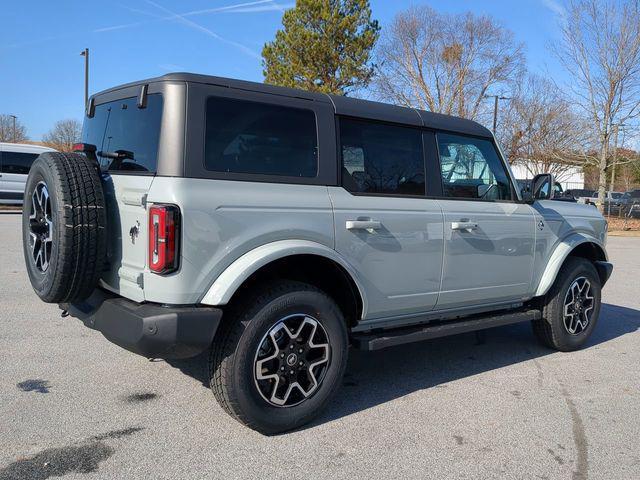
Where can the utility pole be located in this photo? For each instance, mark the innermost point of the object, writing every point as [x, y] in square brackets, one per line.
[495, 109]
[85, 54]
[14, 128]
[616, 127]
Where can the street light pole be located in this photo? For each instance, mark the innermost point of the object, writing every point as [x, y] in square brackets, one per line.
[14, 128]
[495, 109]
[495, 113]
[85, 54]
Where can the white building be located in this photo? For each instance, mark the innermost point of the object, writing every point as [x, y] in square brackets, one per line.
[570, 177]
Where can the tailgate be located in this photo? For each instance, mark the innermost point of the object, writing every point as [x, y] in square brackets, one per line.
[125, 196]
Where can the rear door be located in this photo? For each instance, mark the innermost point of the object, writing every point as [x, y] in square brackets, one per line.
[489, 236]
[121, 128]
[385, 227]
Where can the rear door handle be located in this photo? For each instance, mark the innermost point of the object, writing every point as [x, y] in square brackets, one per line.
[363, 225]
[467, 226]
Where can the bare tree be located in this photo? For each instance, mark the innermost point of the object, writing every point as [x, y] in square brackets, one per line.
[63, 135]
[7, 133]
[446, 63]
[540, 131]
[600, 49]
[629, 176]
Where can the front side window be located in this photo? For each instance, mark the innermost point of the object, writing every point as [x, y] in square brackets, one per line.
[472, 169]
[121, 129]
[17, 162]
[260, 138]
[381, 159]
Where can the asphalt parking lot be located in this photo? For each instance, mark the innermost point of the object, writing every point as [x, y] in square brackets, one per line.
[74, 405]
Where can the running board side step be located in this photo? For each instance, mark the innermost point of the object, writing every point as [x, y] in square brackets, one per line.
[390, 338]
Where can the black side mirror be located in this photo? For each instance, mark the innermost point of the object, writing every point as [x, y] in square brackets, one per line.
[542, 186]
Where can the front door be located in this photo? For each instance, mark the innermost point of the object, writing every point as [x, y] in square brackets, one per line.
[384, 226]
[489, 236]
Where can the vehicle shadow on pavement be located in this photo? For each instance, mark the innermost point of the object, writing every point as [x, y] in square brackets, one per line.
[374, 378]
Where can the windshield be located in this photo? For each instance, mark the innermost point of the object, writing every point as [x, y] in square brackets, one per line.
[616, 195]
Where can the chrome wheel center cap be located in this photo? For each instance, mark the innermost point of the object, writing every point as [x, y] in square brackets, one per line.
[292, 359]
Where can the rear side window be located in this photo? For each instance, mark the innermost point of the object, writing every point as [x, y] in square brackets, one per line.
[381, 159]
[471, 169]
[122, 127]
[259, 138]
[17, 162]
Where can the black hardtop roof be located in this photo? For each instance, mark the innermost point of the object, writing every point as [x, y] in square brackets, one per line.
[348, 106]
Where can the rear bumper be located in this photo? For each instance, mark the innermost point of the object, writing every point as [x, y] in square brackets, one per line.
[149, 329]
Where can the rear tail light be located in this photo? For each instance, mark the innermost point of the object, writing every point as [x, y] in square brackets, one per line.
[83, 147]
[164, 235]
[88, 149]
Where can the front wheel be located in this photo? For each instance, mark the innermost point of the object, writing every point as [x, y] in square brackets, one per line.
[279, 357]
[571, 307]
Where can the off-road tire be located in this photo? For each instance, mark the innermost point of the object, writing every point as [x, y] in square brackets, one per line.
[244, 325]
[78, 231]
[550, 330]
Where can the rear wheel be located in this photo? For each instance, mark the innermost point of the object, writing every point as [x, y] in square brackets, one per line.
[279, 357]
[63, 226]
[571, 307]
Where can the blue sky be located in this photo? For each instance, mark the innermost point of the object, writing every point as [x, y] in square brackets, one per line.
[40, 43]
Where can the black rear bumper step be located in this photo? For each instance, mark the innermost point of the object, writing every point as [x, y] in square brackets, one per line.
[149, 329]
[390, 338]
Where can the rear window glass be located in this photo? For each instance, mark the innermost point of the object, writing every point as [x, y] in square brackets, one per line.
[16, 162]
[381, 159]
[120, 127]
[260, 138]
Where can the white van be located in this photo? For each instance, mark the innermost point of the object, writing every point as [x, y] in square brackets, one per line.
[15, 162]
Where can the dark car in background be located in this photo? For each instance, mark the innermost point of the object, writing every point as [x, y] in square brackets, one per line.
[578, 193]
[630, 202]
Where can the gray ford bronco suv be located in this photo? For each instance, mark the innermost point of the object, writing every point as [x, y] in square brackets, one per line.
[273, 228]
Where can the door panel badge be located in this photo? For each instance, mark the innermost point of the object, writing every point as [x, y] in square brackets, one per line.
[133, 233]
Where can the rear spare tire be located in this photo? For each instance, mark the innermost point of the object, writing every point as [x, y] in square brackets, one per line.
[64, 226]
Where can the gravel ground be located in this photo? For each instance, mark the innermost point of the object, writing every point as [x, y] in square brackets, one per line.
[73, 404]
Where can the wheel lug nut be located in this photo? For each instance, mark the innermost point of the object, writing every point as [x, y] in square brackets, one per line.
[291, 347]
[282, 355]
[301, 364]
[282, 368]
[291, 372]
[300, 351]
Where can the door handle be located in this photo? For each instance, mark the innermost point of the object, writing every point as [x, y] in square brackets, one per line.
[466, 226]
[363, 225]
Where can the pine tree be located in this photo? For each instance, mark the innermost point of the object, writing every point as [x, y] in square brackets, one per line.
[324, 46]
